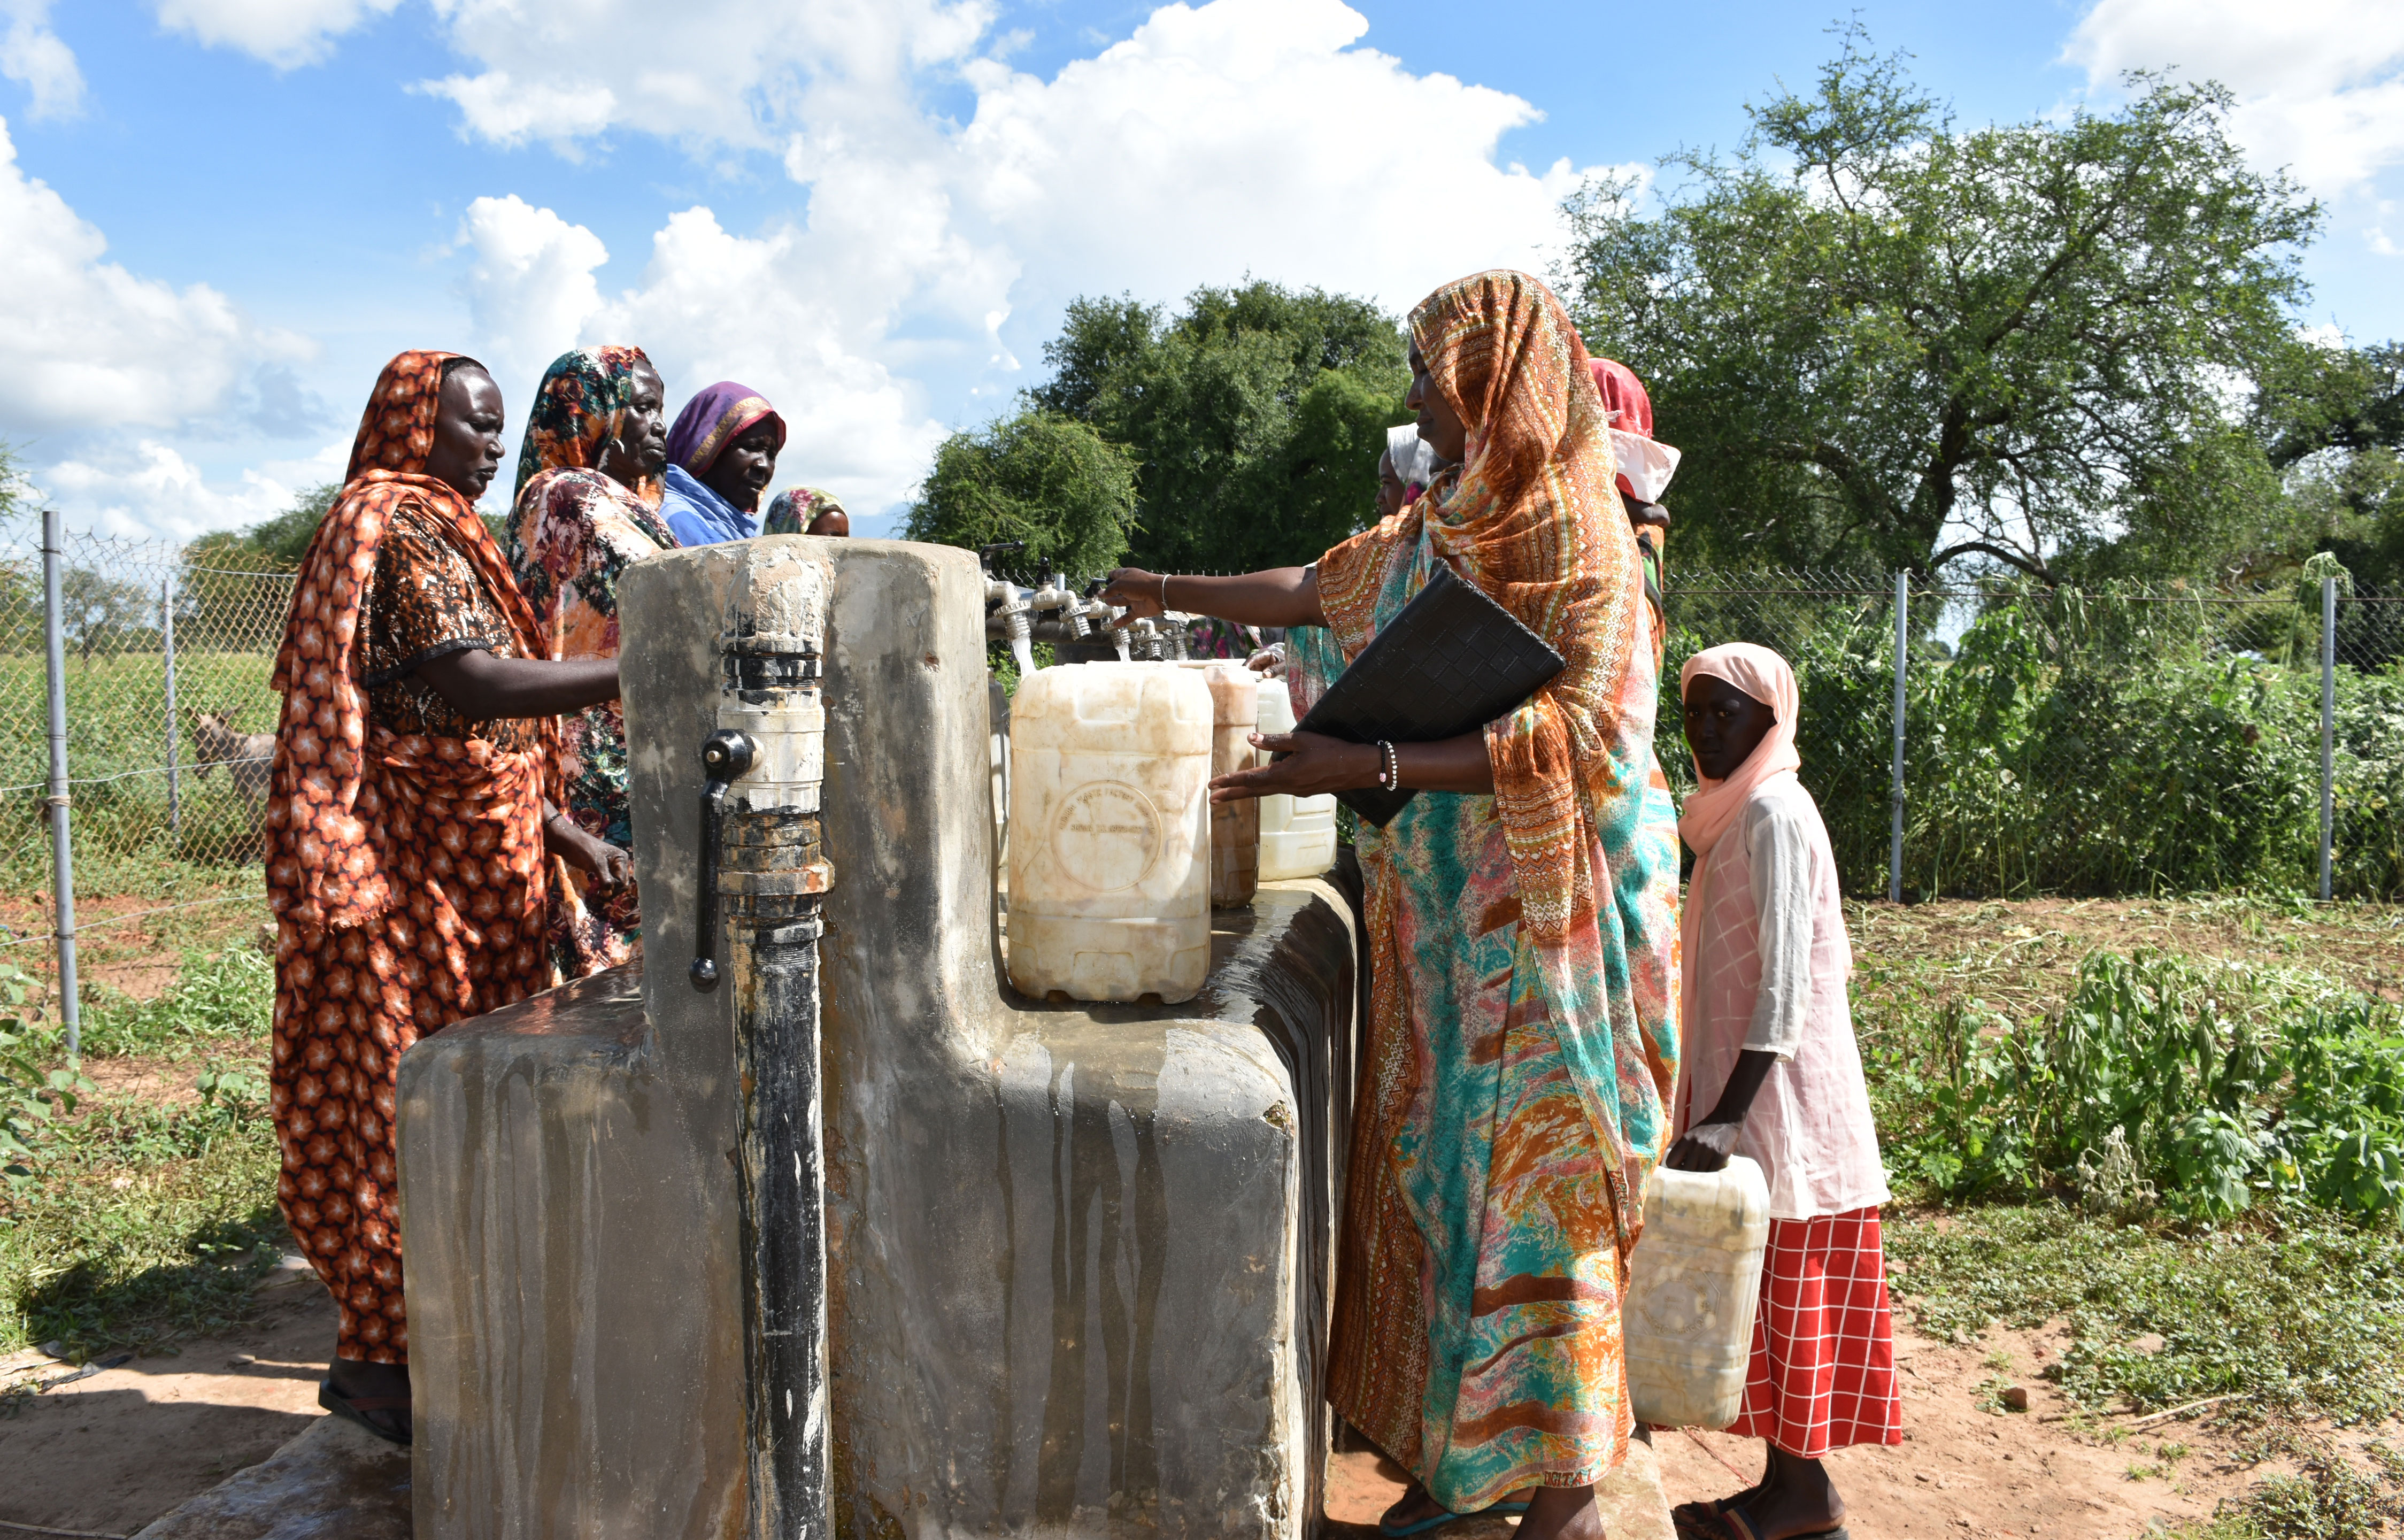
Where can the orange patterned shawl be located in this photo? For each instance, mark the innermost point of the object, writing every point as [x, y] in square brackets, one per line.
[324, 866]
[1533, 519]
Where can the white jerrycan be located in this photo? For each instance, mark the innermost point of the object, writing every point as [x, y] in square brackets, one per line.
[1694, 1283]
[1298, 833]
[1109, 832]
[1235, 826]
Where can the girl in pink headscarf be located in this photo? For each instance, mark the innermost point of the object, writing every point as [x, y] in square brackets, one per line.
[1769, 1070]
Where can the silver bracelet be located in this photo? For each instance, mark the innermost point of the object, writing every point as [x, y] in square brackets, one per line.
[1164, 592]
[1389, 767]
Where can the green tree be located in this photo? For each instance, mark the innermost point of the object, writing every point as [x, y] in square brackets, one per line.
[1047, 480]
[2331, 420]
[271, 545]
[1879, 337]
[1256, 414]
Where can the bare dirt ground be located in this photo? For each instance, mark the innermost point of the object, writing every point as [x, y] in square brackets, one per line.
[1962, 1470]
[108, 1454]
[2022, 955]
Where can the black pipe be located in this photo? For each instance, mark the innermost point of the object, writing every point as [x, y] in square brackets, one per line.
[784, 1219]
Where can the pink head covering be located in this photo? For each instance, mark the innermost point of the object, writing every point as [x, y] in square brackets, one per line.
[1769, 679]
[1644, 464]
[1623, 396]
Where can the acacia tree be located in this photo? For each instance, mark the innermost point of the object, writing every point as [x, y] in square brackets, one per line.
[1879, 337]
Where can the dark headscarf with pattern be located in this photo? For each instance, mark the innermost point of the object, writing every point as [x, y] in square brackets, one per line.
[576, 411]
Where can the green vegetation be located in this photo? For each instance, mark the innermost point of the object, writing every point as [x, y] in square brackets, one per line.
[149, 1216]
[1873, 326]
[2329, 1498]
[116, 743]
[1049, 482]
[2298, 1311]
[271, 545]
[1252, 421]
[2083, 742]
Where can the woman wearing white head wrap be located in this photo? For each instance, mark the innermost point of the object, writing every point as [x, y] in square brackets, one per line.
[1405, 470]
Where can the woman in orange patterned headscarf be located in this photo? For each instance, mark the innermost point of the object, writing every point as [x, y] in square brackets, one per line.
[408, 822]
[1521, 924]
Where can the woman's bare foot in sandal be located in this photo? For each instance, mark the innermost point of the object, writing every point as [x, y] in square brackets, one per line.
[1562, 1513]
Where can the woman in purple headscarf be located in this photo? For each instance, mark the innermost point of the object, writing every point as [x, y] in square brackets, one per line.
[721, 456]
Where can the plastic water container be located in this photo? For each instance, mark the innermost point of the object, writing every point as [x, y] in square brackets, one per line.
[1235, 826]
[1109, 832]
[1298, 833]
[1694, 1284]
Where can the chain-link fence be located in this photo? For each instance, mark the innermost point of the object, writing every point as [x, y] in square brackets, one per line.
[168, 717]
[2120, 739]
[2112, 740]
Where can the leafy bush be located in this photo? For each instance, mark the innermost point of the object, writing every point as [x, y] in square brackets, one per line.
[2214, 1085]
[33, 1089]
[2071, 742]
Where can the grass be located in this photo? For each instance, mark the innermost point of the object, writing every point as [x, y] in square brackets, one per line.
[116, 750]
[2296, 1311]
[151, 1216]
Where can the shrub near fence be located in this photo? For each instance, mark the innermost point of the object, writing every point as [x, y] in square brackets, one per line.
[2122, 741]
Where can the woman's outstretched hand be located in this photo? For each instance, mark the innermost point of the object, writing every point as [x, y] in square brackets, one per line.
[1313, 764]
[1135, 591]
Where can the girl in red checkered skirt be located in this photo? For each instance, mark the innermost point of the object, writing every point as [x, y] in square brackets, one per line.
[1769, 1070]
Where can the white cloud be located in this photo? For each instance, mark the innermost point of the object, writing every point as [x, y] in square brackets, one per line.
[1241, 137]
[283, 33]
[90, 345]
[2320, 83]
[716, 71]
[32, 55]
[530, 286]
[150, 491]
[710, 306]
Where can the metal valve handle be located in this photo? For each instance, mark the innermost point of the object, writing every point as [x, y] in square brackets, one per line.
[726, 754]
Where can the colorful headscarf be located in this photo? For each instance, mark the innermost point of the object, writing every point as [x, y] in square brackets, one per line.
[714, 419]
[1524, 519]
[576, 411]
[795, 509]
[325, 866]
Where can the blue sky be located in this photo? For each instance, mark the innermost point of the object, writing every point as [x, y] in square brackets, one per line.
[225, 214]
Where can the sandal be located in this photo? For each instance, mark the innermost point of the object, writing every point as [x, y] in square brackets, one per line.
[1725, 1520]
[355, 1409]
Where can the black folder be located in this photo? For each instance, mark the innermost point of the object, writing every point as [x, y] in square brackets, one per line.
[1450, 663]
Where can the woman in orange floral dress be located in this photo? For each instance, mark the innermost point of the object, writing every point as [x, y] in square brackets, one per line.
[587, 504]
[407, 827]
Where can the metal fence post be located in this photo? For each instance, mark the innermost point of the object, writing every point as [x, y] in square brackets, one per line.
[2329, 731]
[62, 851]
[167, 645]
[1902, 656]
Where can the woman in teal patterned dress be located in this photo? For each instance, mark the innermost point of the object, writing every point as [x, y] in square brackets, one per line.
[1521, 924]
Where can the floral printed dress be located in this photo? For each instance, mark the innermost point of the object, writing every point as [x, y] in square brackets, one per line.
[574, 531]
